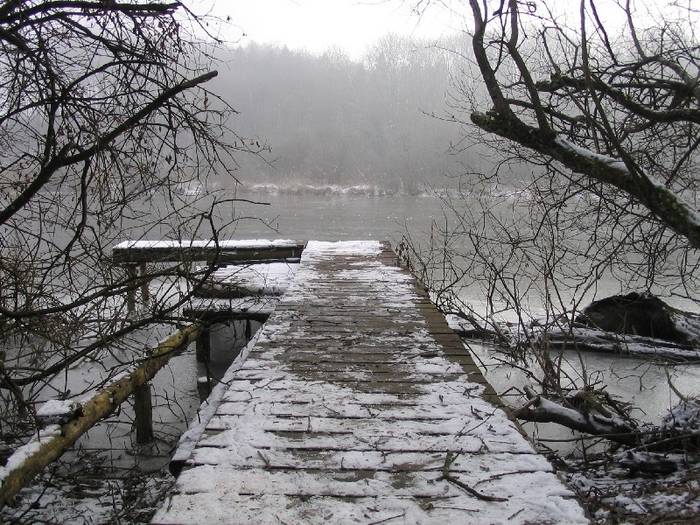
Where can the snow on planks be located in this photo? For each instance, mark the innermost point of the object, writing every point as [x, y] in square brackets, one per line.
[352, 407]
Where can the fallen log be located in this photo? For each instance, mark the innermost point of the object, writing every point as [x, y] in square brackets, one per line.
[594, 340]
[28, 460]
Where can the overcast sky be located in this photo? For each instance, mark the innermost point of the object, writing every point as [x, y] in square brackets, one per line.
[354, 25]
[316, 25]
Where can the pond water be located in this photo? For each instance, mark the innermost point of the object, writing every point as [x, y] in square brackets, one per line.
[344, 217]
[328, 217]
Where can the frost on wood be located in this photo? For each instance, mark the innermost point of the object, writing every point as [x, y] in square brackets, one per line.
[592, 421]
[196, 427]
[345, 410]
[588, 154]
[20, 455]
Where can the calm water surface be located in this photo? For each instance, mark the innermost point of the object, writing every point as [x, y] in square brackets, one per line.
[337, 217]
[345, 217]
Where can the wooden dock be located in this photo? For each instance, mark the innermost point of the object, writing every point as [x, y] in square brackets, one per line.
[358, 404]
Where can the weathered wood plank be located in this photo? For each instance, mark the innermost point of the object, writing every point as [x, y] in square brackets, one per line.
[486, 465]
[131, 252]
[348, 407]
[340, 484]
[326, 408]
[262, 509]
[369, 398]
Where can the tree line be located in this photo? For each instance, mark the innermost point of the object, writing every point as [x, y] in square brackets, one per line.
[331, 120]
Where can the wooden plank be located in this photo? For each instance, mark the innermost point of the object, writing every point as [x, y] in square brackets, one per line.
[339, 424]
[486, 464]
[123, 254]
[270, 357]
[338, 484]
[404, 398]
[354, 377]
[324, 409]
[348, 406]
[219, 315]
[262, 509]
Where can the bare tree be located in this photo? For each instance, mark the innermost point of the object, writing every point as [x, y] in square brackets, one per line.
[104, 119]
[593, 135]
[624, 114]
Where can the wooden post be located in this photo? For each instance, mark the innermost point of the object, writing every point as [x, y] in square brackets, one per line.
[132, 274]
[203, 345]
[248, 330]
[143, 409]
[203, 388]
[145, 292]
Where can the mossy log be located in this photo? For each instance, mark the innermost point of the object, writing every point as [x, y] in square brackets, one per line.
[101, 405]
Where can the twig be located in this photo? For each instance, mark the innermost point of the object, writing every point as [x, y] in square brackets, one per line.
[473, 492]
[512, 472]
[388, 519]
[515, 514]
[449, 459]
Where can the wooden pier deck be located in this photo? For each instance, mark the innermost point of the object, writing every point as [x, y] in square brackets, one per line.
[358, 404]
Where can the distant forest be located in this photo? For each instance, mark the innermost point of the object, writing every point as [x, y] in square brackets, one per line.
[329, 120]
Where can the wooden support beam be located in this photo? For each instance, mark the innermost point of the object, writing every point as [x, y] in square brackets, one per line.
[38, 453]
[203, 345]
[132, 273]
[143, 412]
[221, 315]
[145, 292]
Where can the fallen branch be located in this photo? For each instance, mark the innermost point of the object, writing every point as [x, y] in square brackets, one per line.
[541, 410]
[28, 460]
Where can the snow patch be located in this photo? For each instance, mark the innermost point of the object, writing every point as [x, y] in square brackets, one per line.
[254, 279]
[320, 248]
[597, 157]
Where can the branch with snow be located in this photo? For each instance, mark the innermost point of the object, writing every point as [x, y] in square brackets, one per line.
[591, 421]
[668, 207]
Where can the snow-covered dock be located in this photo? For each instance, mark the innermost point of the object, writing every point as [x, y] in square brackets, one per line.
[356, 403]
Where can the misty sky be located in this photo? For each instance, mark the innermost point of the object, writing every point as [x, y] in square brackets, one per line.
[354, 25]
[316, 25]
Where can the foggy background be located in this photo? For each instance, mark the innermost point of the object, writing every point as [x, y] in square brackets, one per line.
[375, 124]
